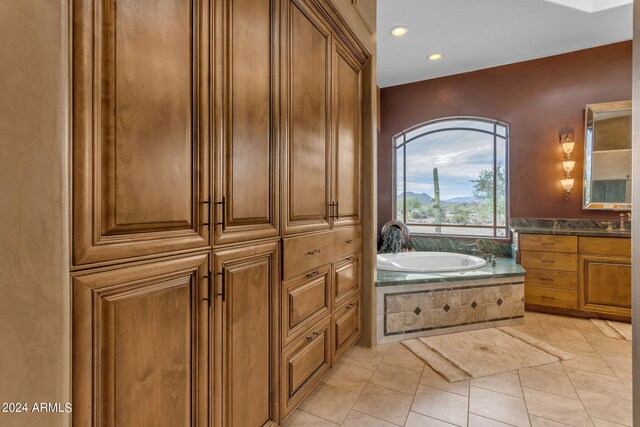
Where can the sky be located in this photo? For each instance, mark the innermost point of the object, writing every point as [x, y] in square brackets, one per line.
[460, 156]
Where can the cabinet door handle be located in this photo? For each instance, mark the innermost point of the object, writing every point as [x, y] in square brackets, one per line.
[350, 258]
[312, 337]
[350, 306]
[223, 289]
[223, 203]
[350, 241]
[312, 274]
[208, 203]
[314, 252]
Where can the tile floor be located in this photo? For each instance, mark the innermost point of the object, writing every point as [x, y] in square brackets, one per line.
[389, 386]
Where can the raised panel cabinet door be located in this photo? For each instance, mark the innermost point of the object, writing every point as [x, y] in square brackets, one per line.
[140, 128]
[248, 284]
[246, 148]
[140, 345]
[346, 118]
[306, 118]
[605, 285]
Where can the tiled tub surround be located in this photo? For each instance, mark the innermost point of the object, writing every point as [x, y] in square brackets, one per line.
[411, 305]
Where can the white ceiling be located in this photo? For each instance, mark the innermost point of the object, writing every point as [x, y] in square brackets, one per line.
[476, 34]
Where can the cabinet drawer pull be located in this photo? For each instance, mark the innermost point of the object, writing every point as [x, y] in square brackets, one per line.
[350, 258]
[350, 306]
[547, 298]
[312, 337]
[312, 274]
[548, 261]
[350, 241]
[314, 252]
[546, 279]
[549, 244]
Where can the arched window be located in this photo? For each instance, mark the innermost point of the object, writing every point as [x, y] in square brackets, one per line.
[451, 177]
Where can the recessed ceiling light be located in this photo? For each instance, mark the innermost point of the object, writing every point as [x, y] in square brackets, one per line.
[399, 31]
[435, 56]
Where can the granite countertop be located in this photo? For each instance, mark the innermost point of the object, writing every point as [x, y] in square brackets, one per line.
[569, 227]
[505, 267]
[593, 232]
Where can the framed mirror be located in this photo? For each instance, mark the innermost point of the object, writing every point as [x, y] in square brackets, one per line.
[607, 157]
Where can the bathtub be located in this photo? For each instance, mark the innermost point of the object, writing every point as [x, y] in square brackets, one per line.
[428, 262]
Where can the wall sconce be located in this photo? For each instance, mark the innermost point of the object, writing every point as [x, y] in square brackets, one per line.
[567, 142]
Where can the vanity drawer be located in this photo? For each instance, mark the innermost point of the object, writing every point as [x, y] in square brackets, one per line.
[566, 280]
[306, 253]
[550, 297]
[548, 243]
[619, 246]
[304, 364]
[346, 328]
[346, 241]
[305, 300]
[549, 260]
[346, 280]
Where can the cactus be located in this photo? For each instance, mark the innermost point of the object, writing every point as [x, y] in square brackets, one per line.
[436, 199]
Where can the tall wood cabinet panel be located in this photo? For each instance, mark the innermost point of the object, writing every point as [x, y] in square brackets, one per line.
[347, 100]
[306, 94]
[140, 345]
[248, 282]
[246, 153]
[140, 128]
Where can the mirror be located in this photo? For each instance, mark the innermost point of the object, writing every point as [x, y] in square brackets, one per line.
[607, 157]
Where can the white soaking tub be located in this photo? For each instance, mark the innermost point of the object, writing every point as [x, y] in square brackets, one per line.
[428, 262]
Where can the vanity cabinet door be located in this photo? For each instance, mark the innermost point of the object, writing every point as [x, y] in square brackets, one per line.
[246, 147]
[347, 83]
[605, 285]
[140, 128]
[306, 124]
[141, 343]
[247, 284]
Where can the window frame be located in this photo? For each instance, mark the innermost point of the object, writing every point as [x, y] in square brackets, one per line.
[506, 137]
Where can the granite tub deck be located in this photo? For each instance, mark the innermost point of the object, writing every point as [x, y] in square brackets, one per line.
[413, 305]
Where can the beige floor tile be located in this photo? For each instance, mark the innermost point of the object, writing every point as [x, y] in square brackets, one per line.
[417, 420]
[554, 368]
[621, 363]
[531, 318]
[550, 382]
[507, 383]
[303, 419]
[543, 422]
[368, 358]
[478, 421]
[432, 379]
[551, 320]
[625, 377]
[442, 405]
[572, 346]
[564, 333]
[556, 408]
[399, 355]
[607, 408]
[329, 402]
[590, 363]
[598, 383]
[358, 419]
[597, 422]
[498, 406]
[350, 377]
[383, 403]
[396, 378]
[611, 346]
[533, 330]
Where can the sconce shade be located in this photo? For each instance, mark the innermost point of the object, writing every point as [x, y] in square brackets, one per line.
[567, 183]
[567, 147]
[568, 165]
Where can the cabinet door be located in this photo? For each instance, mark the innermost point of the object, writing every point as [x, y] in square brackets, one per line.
[605, 285]
[140, 128]
[347, 82]
[140, 345]
[306, 90]
[248, 278]
[246, 142]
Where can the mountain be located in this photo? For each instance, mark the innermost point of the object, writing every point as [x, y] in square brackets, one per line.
[460, 200]
[423, 197]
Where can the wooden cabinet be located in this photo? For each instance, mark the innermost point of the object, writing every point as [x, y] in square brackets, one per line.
[140, 128]
[346, 282]
[247, 282]
[140, 344]
[346, 325]
[246, 205]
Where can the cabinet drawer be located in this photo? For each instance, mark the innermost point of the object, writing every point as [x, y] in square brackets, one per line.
[346, 328]
[549, 260]
[346, 280]
[346, 241]
[305, 300]
[550, 297]
[566, 280]
[306, 253]
[605, 246]
[304, 364]
[548, 243]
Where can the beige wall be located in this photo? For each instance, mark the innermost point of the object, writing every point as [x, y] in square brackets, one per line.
[34, 292]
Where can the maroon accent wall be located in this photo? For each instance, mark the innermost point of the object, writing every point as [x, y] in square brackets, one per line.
[537, 99]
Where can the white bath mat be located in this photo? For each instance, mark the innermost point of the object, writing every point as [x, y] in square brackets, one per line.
[484, 352]
[611, 329]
